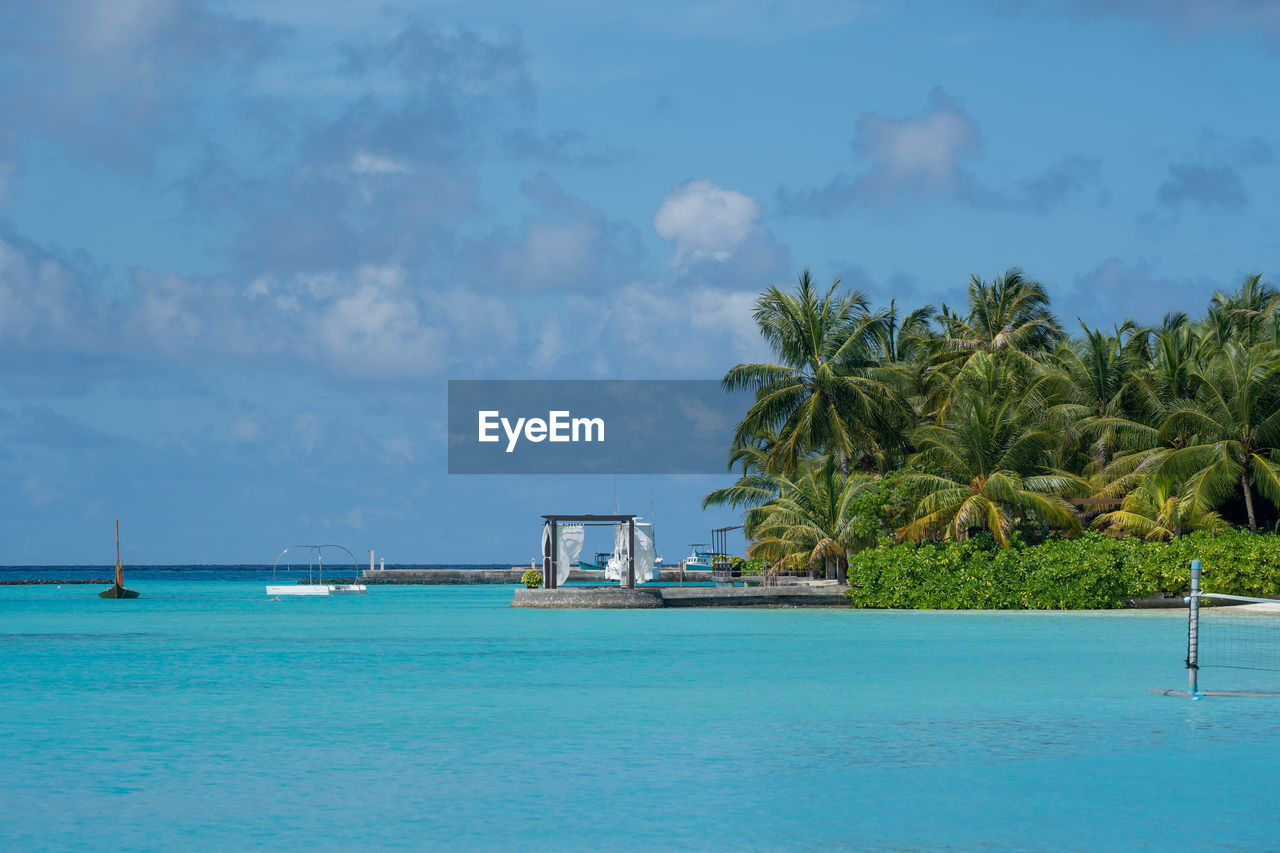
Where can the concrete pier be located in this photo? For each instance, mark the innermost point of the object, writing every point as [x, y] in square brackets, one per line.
[589, 597]
[511, 576]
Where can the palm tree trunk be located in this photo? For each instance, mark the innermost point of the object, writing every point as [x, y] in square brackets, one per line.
[844, 464]
[1248, 502]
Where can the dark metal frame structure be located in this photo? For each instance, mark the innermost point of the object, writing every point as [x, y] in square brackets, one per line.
[549, 554]
[721, 568]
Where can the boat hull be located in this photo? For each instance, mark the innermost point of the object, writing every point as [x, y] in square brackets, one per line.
[118, 592]
[318, 589]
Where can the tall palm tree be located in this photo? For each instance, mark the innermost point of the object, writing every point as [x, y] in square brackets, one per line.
[1094, 380]
[991, 461]
[808, 523]
[824, 395]
[1227, 438]
[1244, 314]
[1010, 312]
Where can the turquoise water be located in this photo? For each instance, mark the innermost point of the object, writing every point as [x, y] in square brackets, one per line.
[206, 715]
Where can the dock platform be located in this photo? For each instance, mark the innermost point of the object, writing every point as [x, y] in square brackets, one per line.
[501, 576]
[617, 598]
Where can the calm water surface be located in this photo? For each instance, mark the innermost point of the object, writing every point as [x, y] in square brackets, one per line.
[205, 715]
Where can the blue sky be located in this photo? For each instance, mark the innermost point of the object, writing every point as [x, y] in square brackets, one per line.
[244, 245]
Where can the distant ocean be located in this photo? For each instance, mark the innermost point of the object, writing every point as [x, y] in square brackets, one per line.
[237, 572]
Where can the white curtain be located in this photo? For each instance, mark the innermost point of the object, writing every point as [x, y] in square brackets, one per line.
[645, 569]
[616, 568]
[568, 546]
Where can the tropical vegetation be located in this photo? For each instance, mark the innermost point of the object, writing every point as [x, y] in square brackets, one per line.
[990, 427]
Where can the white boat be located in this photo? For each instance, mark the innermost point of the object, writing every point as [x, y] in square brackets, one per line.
[318, 589]
[700, 558]
[315, 584]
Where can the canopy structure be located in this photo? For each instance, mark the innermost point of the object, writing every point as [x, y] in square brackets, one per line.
[561, 545]
[721, 568]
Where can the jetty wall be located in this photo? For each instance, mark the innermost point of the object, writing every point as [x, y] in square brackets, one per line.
[499, 576]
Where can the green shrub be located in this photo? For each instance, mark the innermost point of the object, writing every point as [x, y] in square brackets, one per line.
[745, 566]
[1091, 572]
[532, 578]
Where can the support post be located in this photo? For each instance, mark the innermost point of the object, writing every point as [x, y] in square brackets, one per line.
[555, 557]
[1193, 633]
[546, 559]
[631, 553]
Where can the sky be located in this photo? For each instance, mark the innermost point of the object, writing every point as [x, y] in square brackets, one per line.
[244, 245]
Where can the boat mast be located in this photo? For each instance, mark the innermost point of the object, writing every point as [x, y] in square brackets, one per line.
[119, 567]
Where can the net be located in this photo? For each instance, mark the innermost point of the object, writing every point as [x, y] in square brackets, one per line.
[1234, 632]
[1237, 632]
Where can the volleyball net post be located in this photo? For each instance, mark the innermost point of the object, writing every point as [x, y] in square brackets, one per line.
[1240, 633]
[1193, 633]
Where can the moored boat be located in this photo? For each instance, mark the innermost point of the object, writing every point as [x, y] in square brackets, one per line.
[700, 558]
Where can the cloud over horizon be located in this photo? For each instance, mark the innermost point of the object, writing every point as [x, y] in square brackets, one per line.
[932, 156]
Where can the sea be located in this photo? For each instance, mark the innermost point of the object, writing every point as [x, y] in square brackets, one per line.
[206, 715]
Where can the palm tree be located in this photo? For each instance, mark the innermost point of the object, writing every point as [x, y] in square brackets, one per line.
[1094, 378]
[1227, 438]
[824, 395]
[755, 486]
[1244, 314]
[1010, 312]
[990, 455]
[808, 523]
[1154, 511]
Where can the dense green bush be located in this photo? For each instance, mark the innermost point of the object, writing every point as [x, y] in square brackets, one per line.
[747, 566]
[1093, 571]
[532, 578]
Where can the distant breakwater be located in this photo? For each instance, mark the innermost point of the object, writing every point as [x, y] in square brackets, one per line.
[47, 581]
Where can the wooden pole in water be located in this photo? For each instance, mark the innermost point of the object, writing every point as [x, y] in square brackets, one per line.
[119, 566]
[118, 590]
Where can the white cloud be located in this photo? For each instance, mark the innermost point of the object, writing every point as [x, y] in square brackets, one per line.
[730, 312]
[552, 252]
[914, 156]
[42, 301]
[566, 245]
[365, 163]
[471, 319]
[551, 345]
[37, 491]
[309, 431]
[246, 429]
[922, 151]
[168, 307]
[377, 329]
[706, 221]
[401, 446]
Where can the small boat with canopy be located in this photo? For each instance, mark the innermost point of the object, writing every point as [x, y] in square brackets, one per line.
[315, 584]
